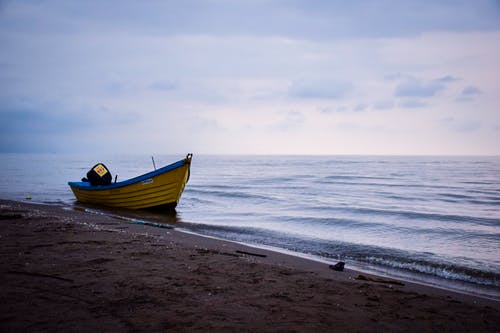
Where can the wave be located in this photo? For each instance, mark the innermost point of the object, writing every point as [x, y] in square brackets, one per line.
[319, 223]
[355, 177]
[409, 215]
[446, 271]
[230, 194]
[390, 185]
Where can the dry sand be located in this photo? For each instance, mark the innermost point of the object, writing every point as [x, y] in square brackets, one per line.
[68, 270]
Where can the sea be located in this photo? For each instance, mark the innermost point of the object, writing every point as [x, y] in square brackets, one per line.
[428, 219]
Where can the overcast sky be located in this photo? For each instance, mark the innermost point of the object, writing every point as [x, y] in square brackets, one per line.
[250, 77]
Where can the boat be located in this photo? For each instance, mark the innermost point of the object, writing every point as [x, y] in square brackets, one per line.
[159, 189]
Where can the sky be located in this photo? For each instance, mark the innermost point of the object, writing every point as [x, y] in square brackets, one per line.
[250, 77]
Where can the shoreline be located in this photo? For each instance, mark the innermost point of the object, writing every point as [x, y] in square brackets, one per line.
[110, 275]
[459, 287]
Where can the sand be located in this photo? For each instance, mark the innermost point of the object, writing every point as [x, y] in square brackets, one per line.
[69, 270]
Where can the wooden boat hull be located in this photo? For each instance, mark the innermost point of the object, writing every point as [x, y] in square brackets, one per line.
[158, 189]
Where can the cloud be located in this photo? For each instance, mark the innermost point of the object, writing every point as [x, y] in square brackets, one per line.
[29, 130]
[291, 19]
[117, 89]
[334, 109]
[471, 91]
[321, 89]
[447, 79]
[384, 105]
[360, 107]
[29, 121]
[412, 104]
[461, 125]
[343, 108]
[468, 94]
[163, 86]
[413, 87]
[135, 71]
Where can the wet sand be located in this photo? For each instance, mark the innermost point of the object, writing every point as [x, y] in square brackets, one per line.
[69, 270]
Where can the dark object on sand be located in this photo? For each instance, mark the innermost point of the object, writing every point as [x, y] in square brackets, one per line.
[379, 280]
[252, 254]
[339, 267]
[40, 275]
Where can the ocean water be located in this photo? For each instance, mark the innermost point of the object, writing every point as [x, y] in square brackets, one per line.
[434, 220]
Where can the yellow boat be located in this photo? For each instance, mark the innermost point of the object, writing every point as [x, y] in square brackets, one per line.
[159, 189]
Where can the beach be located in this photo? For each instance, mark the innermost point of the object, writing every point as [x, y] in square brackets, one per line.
[64, 269]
